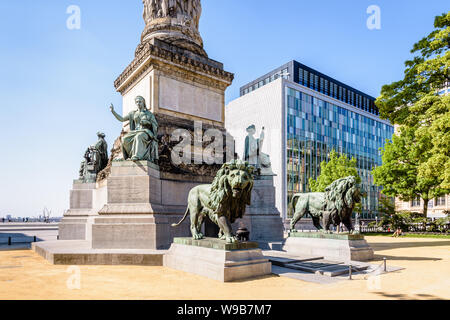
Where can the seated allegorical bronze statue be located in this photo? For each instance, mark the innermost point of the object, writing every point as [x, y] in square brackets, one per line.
[141, 142]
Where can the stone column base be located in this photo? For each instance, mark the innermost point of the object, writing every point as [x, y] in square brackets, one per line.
[335, 247]
[144, 231]
[73, 228]
[215, 259]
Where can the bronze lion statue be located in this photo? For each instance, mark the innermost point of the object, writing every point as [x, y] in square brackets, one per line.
[223, 201]
[335, 205]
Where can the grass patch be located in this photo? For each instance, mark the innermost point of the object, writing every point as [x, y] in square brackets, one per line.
[409, 235]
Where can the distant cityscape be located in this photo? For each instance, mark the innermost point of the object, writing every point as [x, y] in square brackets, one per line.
[8, 218]
[44, 217]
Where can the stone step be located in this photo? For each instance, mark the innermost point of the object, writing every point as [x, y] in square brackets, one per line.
[325, 267]
[75, 252]
[280, 258]
[271, 245]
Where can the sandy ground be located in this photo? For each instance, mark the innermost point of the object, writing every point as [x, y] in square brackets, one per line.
[25, 275]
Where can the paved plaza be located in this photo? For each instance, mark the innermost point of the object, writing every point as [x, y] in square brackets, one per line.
[426, 262]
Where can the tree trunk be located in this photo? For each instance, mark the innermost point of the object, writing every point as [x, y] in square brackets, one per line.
[425, 207]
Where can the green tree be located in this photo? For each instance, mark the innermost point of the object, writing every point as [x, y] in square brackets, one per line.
[399, 173]
[416, 163]
[407, 101]
[387, 206]
[338, 167]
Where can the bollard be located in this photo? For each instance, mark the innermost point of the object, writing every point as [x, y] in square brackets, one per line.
[9, 241]
[384, 262]
[350, 272]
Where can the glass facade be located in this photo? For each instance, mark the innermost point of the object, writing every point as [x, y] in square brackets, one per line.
[309, 79]
[315, 127]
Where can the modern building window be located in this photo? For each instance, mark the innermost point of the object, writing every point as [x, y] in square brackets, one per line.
[285, 73]
[300, 76]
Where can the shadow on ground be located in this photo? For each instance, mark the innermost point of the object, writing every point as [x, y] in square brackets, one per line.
[16, 237]
[408, 297]
[378, 257]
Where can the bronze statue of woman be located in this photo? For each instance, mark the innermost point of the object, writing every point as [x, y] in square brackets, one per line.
[141, 143]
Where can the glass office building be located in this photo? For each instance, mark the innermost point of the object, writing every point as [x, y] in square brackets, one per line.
[318, 114]
[315, 127]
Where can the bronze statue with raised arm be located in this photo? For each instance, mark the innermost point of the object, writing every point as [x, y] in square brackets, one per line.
[141, 143]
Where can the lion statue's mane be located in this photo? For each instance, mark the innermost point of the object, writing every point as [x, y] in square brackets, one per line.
[220, 200]
[228, 197]
[340, 198]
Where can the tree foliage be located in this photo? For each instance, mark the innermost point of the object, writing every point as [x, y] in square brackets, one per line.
[405, 102]
[416, 163]
[338, 167]
[399, 175]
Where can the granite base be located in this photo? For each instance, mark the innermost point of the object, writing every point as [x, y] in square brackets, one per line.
[218, 260]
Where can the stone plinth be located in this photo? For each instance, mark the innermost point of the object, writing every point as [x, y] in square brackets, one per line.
[262, 218]
[85, 201]
[337, 247]
[142, 203]
[78, 252]
[215, 259]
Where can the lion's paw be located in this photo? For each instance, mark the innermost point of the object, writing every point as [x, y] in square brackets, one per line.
[198, 236]
[231, 239]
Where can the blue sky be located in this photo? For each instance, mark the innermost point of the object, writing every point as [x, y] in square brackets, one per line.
[56, 84]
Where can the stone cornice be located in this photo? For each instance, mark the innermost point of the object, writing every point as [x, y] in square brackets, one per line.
[150, 51]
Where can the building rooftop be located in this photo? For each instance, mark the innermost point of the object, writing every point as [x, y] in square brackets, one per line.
[315, 80]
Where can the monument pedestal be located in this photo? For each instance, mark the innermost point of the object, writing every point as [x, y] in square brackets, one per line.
[215, 259]
[262, 218]
[142, 203]
[335, 247]
[85, 201]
